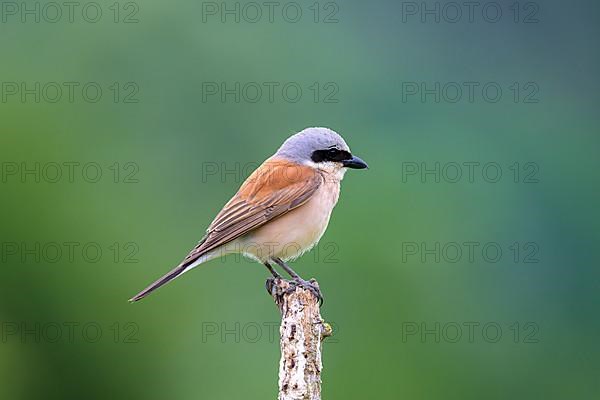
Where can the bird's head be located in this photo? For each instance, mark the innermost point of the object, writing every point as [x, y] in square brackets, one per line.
[320, 148]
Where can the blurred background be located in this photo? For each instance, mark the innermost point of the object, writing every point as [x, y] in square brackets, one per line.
[462, 265]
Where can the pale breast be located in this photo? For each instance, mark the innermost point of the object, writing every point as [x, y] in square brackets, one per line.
[292, 234]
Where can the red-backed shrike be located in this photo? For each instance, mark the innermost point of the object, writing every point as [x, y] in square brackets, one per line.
[281, 210]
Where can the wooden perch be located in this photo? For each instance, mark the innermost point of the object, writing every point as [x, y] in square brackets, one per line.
[301, 332]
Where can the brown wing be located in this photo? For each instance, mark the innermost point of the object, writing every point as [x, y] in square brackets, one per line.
[275, 188]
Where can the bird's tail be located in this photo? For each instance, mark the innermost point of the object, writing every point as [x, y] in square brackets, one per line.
[193, 259]
[169, 276]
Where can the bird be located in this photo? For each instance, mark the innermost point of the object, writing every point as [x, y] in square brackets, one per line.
[280, 211]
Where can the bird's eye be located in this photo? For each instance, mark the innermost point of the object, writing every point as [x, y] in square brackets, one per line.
[331, 154]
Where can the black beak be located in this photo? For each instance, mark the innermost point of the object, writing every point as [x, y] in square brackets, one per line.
[355, 163]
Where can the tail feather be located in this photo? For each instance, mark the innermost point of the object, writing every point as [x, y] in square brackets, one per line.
[193, 259]
[169, 276]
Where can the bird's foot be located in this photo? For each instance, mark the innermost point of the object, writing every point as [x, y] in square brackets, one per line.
[272, 281]
[273, 286]
[270, 284]
[311, 285]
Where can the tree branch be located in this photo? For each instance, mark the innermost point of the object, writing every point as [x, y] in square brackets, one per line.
[301, 332]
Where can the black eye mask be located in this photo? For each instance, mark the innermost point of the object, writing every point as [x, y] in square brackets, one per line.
[333, 154]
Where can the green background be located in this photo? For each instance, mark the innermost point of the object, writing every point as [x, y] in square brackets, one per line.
[374, 289]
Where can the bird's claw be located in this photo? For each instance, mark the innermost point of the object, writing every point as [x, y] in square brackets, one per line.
[311, 285]
[270, 284]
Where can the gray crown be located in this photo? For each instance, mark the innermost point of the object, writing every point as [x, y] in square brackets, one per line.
[300, 146]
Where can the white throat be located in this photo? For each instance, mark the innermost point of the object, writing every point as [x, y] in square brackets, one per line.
[330, 169]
